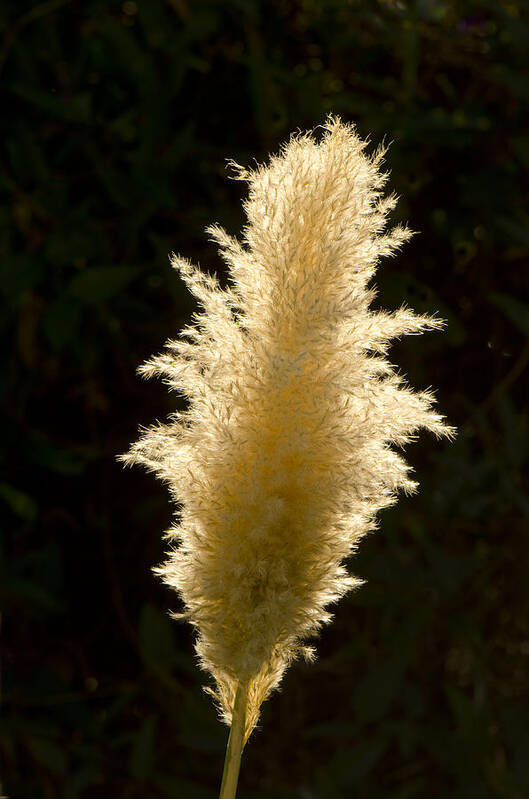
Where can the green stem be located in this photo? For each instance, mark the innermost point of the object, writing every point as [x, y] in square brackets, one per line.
[232, 761]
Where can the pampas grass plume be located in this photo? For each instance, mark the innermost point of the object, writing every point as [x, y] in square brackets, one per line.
[283, 457]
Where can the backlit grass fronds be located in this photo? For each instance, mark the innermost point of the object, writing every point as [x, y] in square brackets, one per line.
[283, 457]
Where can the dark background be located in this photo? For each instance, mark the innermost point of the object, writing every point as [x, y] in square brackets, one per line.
[117, 119]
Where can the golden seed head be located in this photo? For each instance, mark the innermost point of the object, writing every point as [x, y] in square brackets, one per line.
[282, 459]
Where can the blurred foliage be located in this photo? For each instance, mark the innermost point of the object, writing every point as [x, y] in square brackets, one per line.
[117, 120]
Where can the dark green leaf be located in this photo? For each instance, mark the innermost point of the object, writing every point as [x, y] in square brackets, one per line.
[99, 283]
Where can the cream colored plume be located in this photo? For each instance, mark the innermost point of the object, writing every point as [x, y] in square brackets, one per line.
[283, 458]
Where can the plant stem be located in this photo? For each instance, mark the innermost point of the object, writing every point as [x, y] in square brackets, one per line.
[232, 761]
